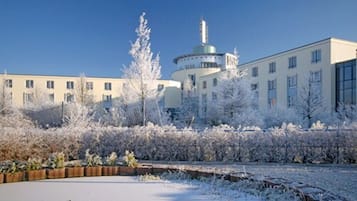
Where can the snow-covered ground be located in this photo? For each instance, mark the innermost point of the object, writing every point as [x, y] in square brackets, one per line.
[125, 188]
[338, 179]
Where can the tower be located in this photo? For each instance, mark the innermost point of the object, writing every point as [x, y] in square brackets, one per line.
[203, 32]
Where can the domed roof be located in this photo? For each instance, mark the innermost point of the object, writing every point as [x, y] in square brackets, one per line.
[204, 49]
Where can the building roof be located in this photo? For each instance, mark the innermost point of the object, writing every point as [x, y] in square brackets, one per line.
[198, 54]
[303, 46]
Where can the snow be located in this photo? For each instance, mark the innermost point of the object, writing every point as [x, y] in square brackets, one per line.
[338, 179]
[110, 188]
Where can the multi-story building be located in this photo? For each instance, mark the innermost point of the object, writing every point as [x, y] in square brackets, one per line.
[280, 78]
[25, 89]
[192, 68]
[327, 66]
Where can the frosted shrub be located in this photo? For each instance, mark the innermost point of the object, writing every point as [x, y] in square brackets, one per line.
[318, 125]
[56, 160]
[129, 159]
[223, 143]
[93, 159]
[111, 160]
[34, 163]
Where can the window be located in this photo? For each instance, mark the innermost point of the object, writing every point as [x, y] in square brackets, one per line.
[108, 86]
[255, 72]
[28, 98]
[215, 82]
[208, 64]
[204, 84]
[192, 77]
[315, 84]
[272, 93]
[51, 97]
[315, 77]
[68, 97]
[50, 84]
[125, 86]
[107, 98]
[160, 87]
[292, 62]
[70, 85]
[292, 90]
[214, 96]
[89, 85]
[8, 83]
[204, 104]
[254, 87]
[29, 84]
[346, 83]
[316, 56]
[272, 67]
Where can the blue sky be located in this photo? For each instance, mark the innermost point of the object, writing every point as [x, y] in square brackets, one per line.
[67, 37]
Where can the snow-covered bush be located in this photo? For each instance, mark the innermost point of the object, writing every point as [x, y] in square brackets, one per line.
[276, 116]
[129, 159]
[287, 143]
[92, 159]
[111, 159]
[56, 160]
[234, 101]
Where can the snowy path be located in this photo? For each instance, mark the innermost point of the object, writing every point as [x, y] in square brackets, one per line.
[338, 179]
[114, 188]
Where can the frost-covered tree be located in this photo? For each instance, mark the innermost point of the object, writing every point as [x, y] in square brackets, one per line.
[141, 94]
[114, 117]
[83, 95]
[188, 111]
[311, 103]
[347, 113]
[77, 116]
[5, 96]
[40, 100]
[276, 116]
[233, 102]
[10, 115]
[41, 109]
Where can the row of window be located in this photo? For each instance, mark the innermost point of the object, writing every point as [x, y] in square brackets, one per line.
[315, 83]
[214, 83]
[28, 98]
[200, 57]
[346, 88]
[292, 62]
[50, 84]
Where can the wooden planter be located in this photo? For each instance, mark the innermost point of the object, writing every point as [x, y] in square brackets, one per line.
[193, 173]
[1, 178]
[74, 172]
[159, 170]
[110, 170]
[127, 171]
[32, 175]
[14, 177]
[56, 173]
[143, 170]
[93, 171]
[202, 173]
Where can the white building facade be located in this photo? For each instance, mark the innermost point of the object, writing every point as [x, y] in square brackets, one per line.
[26, 89]
[194, 67]
[279, 79]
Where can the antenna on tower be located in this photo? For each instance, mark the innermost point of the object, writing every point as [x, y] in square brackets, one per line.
[203, 31]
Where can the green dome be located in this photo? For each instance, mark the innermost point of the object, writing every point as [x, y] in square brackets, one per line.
[204, 48]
